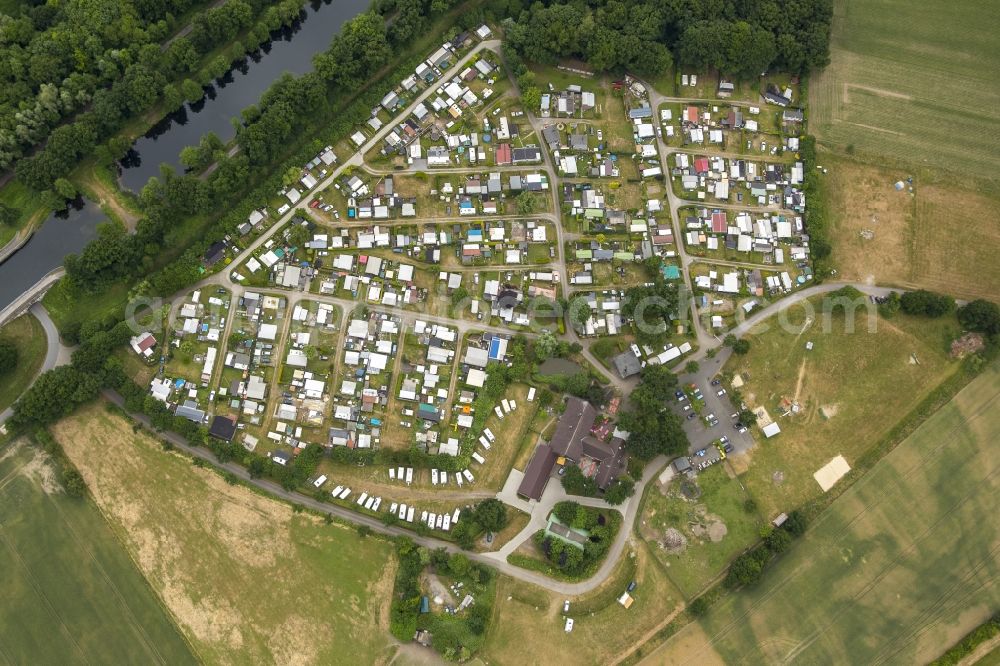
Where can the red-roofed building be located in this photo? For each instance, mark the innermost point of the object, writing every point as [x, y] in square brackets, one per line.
[719, 224]
[504, 156]
[143, 344]
[691, 114]
[701, 165]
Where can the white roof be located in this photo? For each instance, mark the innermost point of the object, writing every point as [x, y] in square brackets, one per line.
[449, 448]
[476, 378]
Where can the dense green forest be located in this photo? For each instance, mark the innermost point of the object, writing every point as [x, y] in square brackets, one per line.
[739, 38]
[99, 63]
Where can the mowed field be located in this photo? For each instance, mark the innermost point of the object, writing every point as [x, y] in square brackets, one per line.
[852, 388]
[941, 237]
[911, 91]
[27, 334]
[70, 592]
[246, 579]
[914, 83]
[900, 567]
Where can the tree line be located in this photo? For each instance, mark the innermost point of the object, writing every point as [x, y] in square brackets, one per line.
[741, 39]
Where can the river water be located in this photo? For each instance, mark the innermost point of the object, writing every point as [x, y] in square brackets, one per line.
[63, 233]
[290, 50]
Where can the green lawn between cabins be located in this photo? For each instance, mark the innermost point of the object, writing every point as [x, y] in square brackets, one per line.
[71, 594]
[900, 567]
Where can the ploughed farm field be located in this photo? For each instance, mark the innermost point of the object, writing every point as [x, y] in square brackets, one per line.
[246, 579]
[900, 567]
[70, 592]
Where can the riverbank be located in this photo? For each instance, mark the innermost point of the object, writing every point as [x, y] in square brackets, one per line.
[288, 49]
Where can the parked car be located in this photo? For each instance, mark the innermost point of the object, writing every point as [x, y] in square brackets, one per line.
[720, 392]
[716, 382]
[691, 416]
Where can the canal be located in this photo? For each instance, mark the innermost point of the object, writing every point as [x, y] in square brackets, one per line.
[63, 233]
[291, 50]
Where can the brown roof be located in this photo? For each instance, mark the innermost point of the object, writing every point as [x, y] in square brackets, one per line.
[611, 466]
[574, 424]
[536, 474]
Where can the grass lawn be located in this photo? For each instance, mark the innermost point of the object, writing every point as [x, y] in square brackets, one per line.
[529, 620]
[509, 434]
[709, 548]
[900, 567]
[516, 520]
[68, 308]
[25, 332]
[852, 388]
[71, 593]
[220, 555]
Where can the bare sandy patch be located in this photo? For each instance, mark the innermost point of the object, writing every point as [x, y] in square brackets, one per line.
[40, 470]
[798, 383]
[11, 450]
[827, 475]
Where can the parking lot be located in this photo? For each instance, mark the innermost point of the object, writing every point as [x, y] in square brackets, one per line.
[699, 433]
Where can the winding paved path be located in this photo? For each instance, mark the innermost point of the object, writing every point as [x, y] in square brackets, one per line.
[55, 352]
